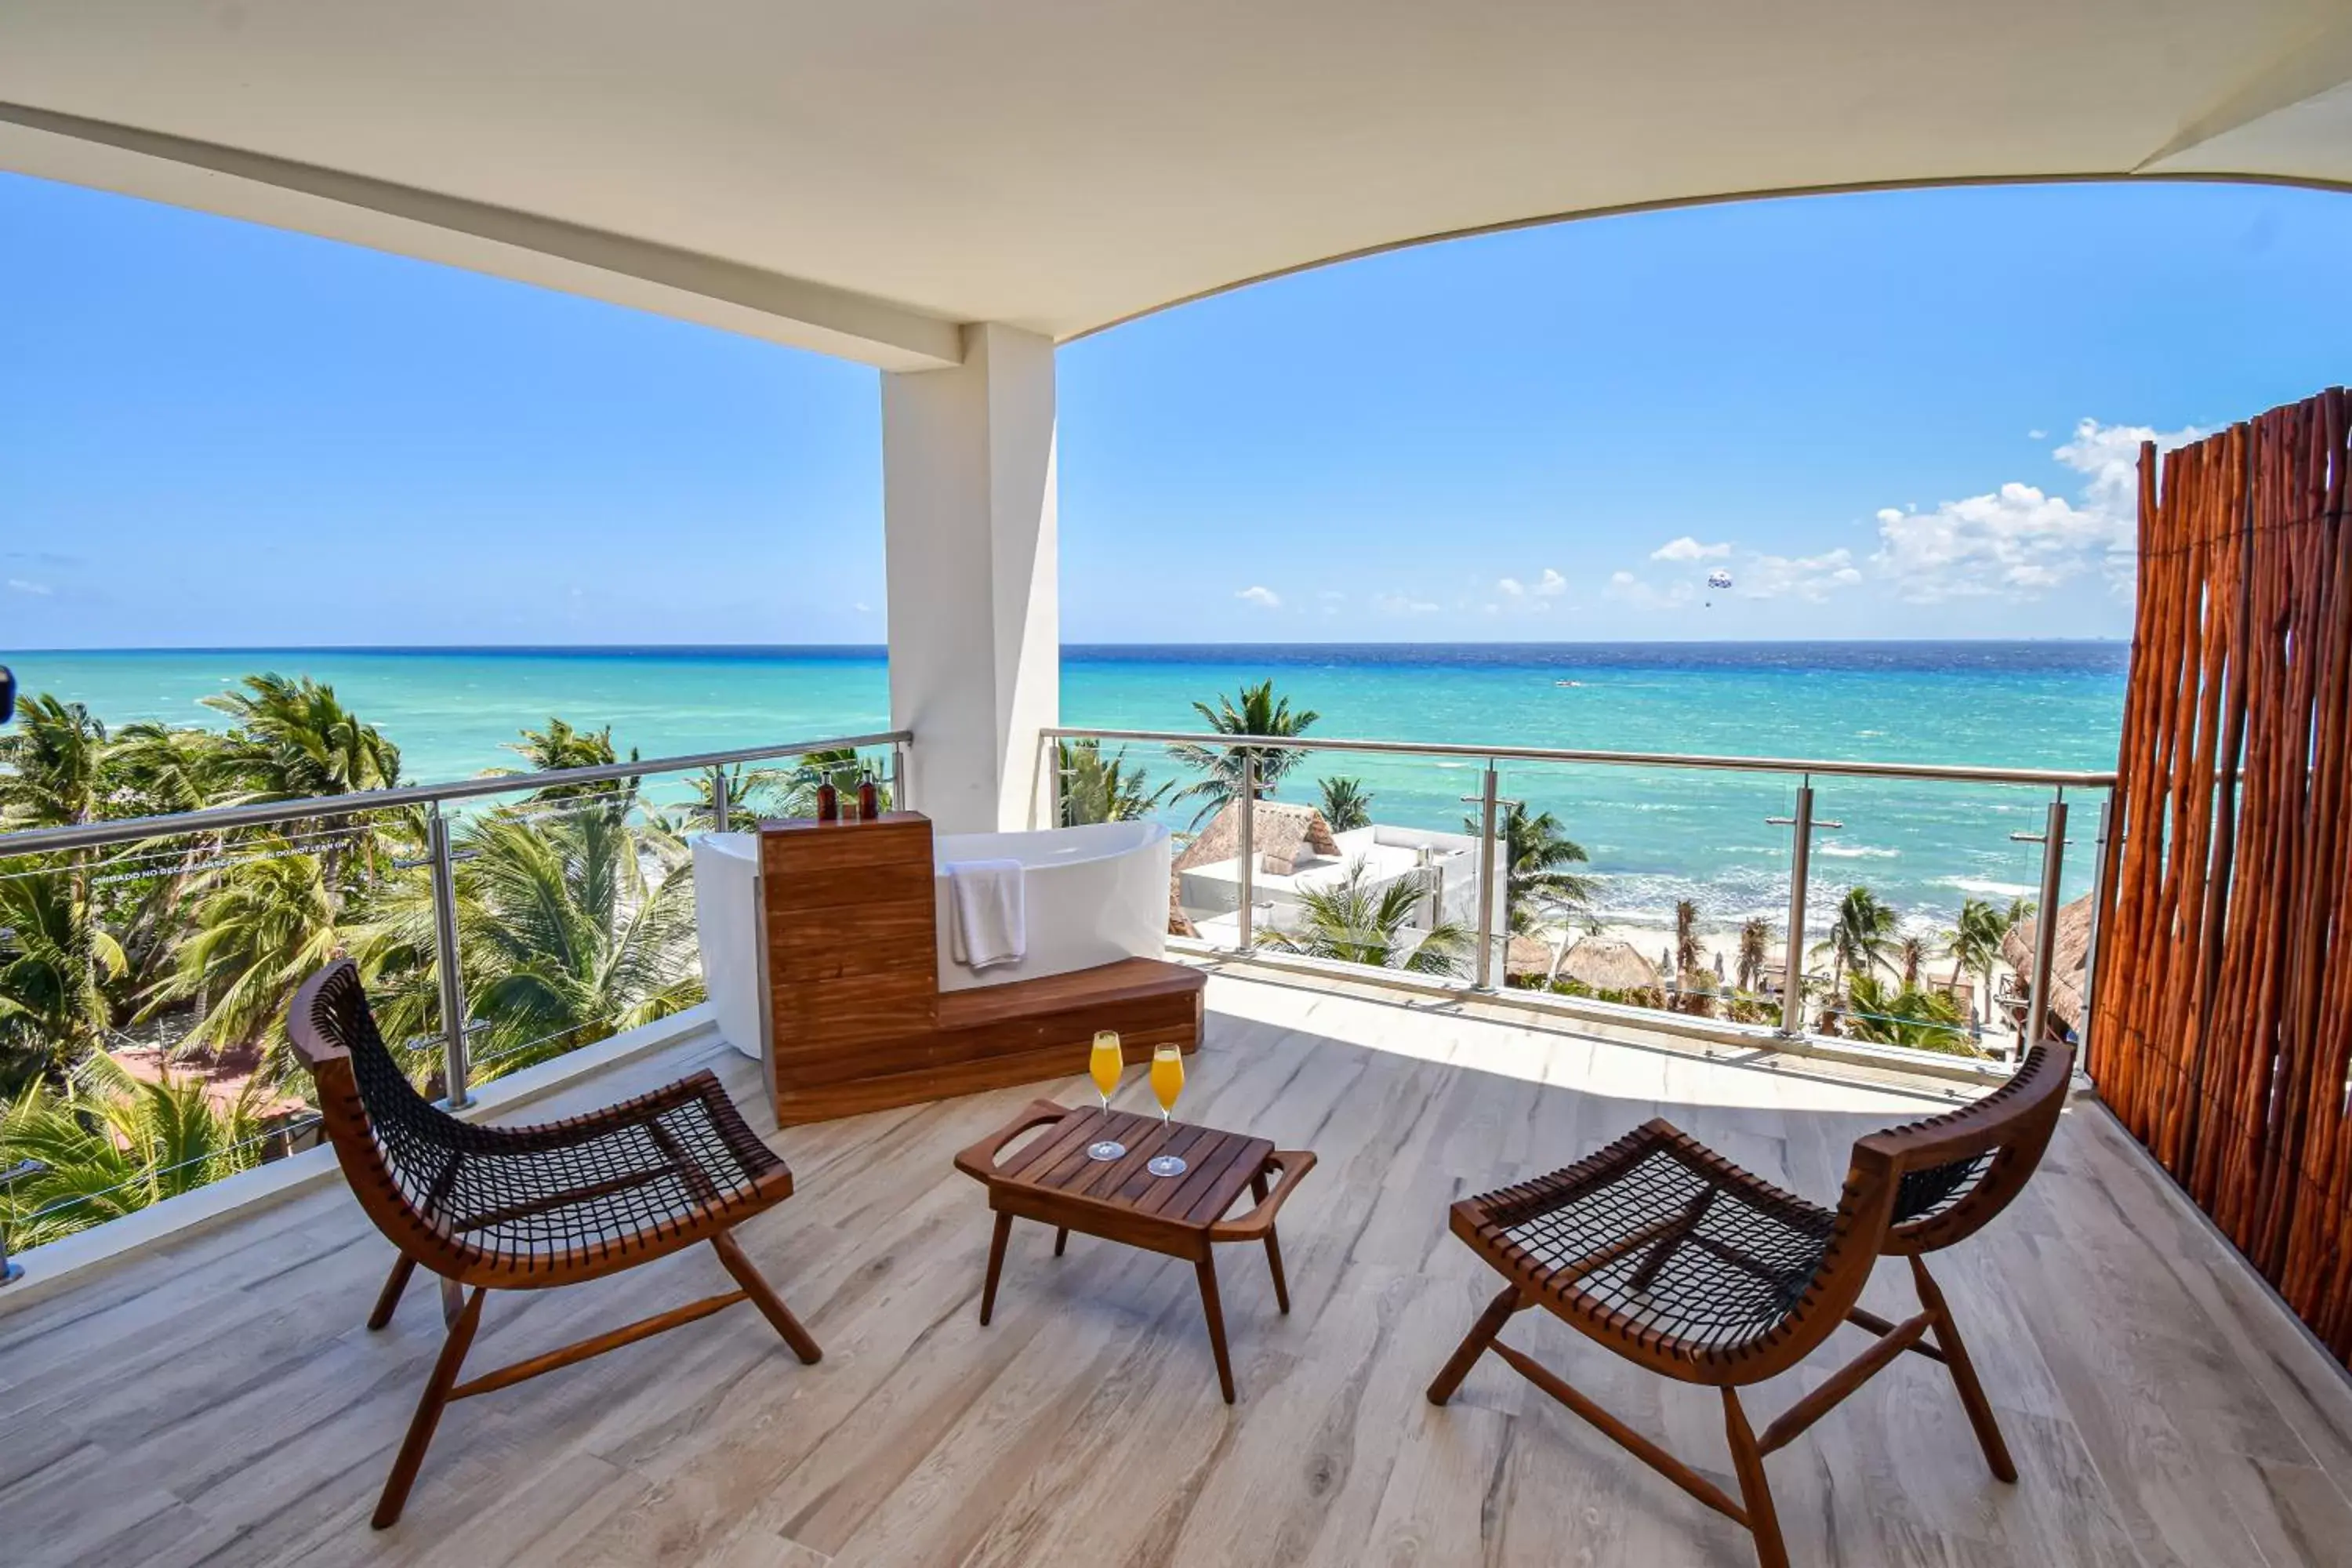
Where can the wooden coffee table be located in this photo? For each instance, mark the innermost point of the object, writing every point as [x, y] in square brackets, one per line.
[1052, 1181]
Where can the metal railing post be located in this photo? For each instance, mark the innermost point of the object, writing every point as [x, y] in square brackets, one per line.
[23, 1168]
[1801, 866]
[722, 809]
[444, 950]
[2046, 922]
[2098, 921]
[1051, 760]
[1484, 978]
[899, 801]
[1247, 938]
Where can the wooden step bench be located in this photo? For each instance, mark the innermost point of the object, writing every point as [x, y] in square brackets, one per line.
[857, 1020]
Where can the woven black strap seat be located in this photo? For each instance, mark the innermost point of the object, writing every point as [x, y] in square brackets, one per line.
[1668, 1254]
[1659, 1235]
[530, 1207]
[624, 1183]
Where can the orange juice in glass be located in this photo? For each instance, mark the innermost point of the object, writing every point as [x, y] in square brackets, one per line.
[1104, 1066]
[1167, 1083]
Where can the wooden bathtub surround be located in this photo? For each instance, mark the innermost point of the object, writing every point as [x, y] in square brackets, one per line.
[855, 1019]
[1054, 1181]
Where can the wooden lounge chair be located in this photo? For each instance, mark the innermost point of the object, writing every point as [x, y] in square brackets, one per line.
[523, 1208]
[1677, 1259]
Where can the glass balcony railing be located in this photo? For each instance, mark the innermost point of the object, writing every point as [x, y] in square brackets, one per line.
[1874, 904]
[502, 921]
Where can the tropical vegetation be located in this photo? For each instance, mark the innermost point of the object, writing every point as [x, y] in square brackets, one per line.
[108, 1143]
[1540, 887]
[1890, 1015]
[1259, 711]
[1347, 805]
[1358, 921]
[1860, 938]
[574, 923]
[1098, 788]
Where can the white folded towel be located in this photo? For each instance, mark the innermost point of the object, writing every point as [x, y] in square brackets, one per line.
[991, 924]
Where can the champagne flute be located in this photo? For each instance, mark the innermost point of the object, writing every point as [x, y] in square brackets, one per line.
[1105, 1064]
[1167, 1083]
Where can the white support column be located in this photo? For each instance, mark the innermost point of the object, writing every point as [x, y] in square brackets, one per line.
[968, 508]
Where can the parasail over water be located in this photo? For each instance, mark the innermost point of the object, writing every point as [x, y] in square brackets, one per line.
[1718, 579]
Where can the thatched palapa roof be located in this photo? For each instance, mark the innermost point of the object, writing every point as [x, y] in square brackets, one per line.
[2066, 961]
[1607, 965]
[1527, 957]
[1281, 835]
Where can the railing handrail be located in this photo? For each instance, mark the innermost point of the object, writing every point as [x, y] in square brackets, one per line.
[1950, 772]
[134, 829]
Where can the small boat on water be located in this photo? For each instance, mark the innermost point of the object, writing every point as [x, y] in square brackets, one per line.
[1568, 683]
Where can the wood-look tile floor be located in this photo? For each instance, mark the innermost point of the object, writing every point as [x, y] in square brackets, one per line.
[219, 1402]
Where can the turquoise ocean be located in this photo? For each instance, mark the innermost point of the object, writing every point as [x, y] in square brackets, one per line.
[1653, 835]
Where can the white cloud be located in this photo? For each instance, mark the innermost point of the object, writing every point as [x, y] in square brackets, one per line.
[1398, 604]
[1689, 548]
[1549, 586]
[863, 608]
[1264, 598]
[22, 587]
[1809, 577]
[2022, 540]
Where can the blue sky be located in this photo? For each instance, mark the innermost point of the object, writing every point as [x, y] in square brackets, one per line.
[1889, 415]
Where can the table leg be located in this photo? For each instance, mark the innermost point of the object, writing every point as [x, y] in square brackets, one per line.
[996, 1266]
[1207, 1270]
[1061, 1240]
[1273, 1248]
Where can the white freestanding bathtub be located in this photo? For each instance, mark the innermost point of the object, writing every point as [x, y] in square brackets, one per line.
[1094, 895]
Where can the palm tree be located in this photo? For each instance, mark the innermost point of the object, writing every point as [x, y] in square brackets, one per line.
[1259, 713]
[50, 766]
[1859, 938]
[153, 770]
[1974, 943]
[1347, 804]
[1910, 954]
[1754, 945]
[561, 746]
[1358, 923]
[113, 1143]
[296, 739]
[267, 923]
[563, 938]
[1099, 789]
[166, 768]
[54, 962]
[747, 790]
[1690, 960]
[1921, 1020]
[293, 739]
[1537, 854]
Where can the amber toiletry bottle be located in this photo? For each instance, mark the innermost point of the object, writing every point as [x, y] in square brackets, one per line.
[828, 801]
[869, 796]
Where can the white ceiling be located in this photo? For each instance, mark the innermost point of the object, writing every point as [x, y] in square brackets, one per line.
[860, 177]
